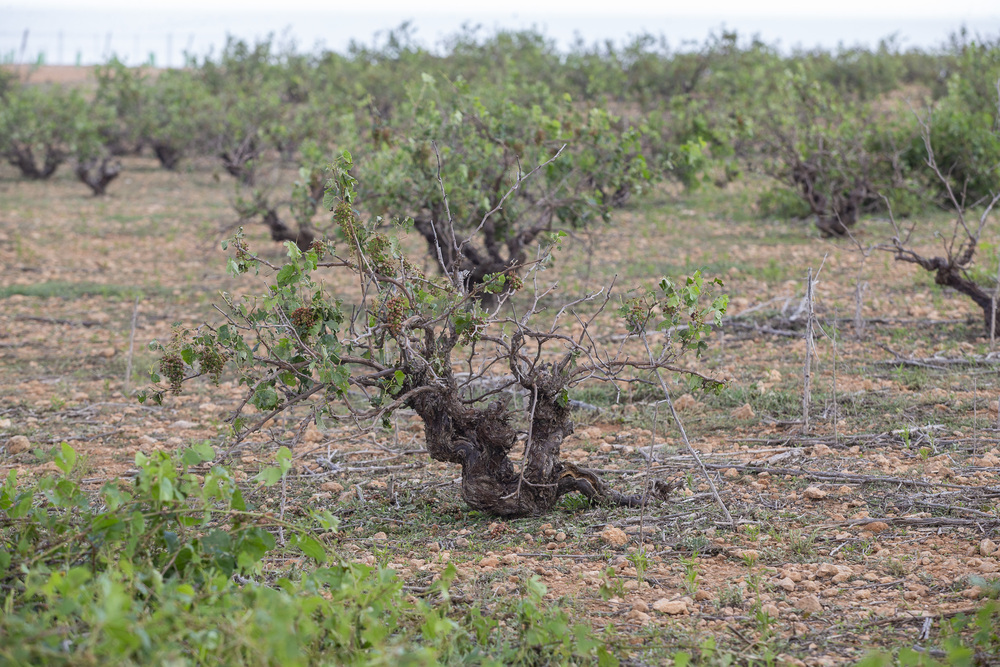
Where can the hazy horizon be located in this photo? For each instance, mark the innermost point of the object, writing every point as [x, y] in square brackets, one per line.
[90, 36]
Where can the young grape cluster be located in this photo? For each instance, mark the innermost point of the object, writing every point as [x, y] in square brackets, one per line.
[344, 216]
[319, 247]
[172, 368]
[514, 281]
[475, 325]
[212, 361]
[395, 313]
[304, 317]
[379, 251]
[636, 313]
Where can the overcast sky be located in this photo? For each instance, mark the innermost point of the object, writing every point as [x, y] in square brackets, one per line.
[841, 8]
[161, 31]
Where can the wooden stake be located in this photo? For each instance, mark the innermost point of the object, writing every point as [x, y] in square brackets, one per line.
[131, 349]
[835, 416]
[807, 370]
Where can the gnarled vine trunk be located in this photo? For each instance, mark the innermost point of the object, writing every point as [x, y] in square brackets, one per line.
[948, 274]
[97, 173]
[497, 254]
[168, 155]
[281, 232]
[837, 212]
[23, 157]
[480, 439]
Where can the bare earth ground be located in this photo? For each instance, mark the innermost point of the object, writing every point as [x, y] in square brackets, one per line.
[58, 74]
[848, 537]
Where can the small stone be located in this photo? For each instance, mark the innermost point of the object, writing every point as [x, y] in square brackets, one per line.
[551, 546]
[701, 595]
[637, 616]
[987, 547]
[80, 396]
[347, 496]
[616, 537]
[845, 490]
[821, 450]
[809, 604]
[18, 444]
[685, 402]
[730, 473]
[560, 537]
[462, 542]
[433, 547]
[787, 584]
[743, 412]
[814, 493]
[875, 527]
[672, 607]
[210, 408]
[379, 536]
[972, 593]
[107, 352]
[771, 610]
[639, 605]
[182, 425]
[332, 487]
[489, 561]
[5, 422]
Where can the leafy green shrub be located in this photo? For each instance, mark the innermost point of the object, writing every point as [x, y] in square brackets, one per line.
[122, 90]
[399, 348]
[455, 161]
[38, 128]
[964, 138]
[176, 110]
[828, 148]
[96, 164]
[172, 567]
[782, 203]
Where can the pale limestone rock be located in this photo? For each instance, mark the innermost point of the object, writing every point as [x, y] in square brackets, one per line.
[987, 547]
[616, 537]
[809, 604]
[875, 527]
[672, 607]
[637, 616]
[787, 584]
[685, 402]
[18, 444]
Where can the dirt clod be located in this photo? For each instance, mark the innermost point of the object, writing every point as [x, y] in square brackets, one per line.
[672, 607]
[809, 604]
[616, 537]
[18, 444]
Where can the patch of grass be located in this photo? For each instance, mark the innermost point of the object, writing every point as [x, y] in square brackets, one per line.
[69, 290]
